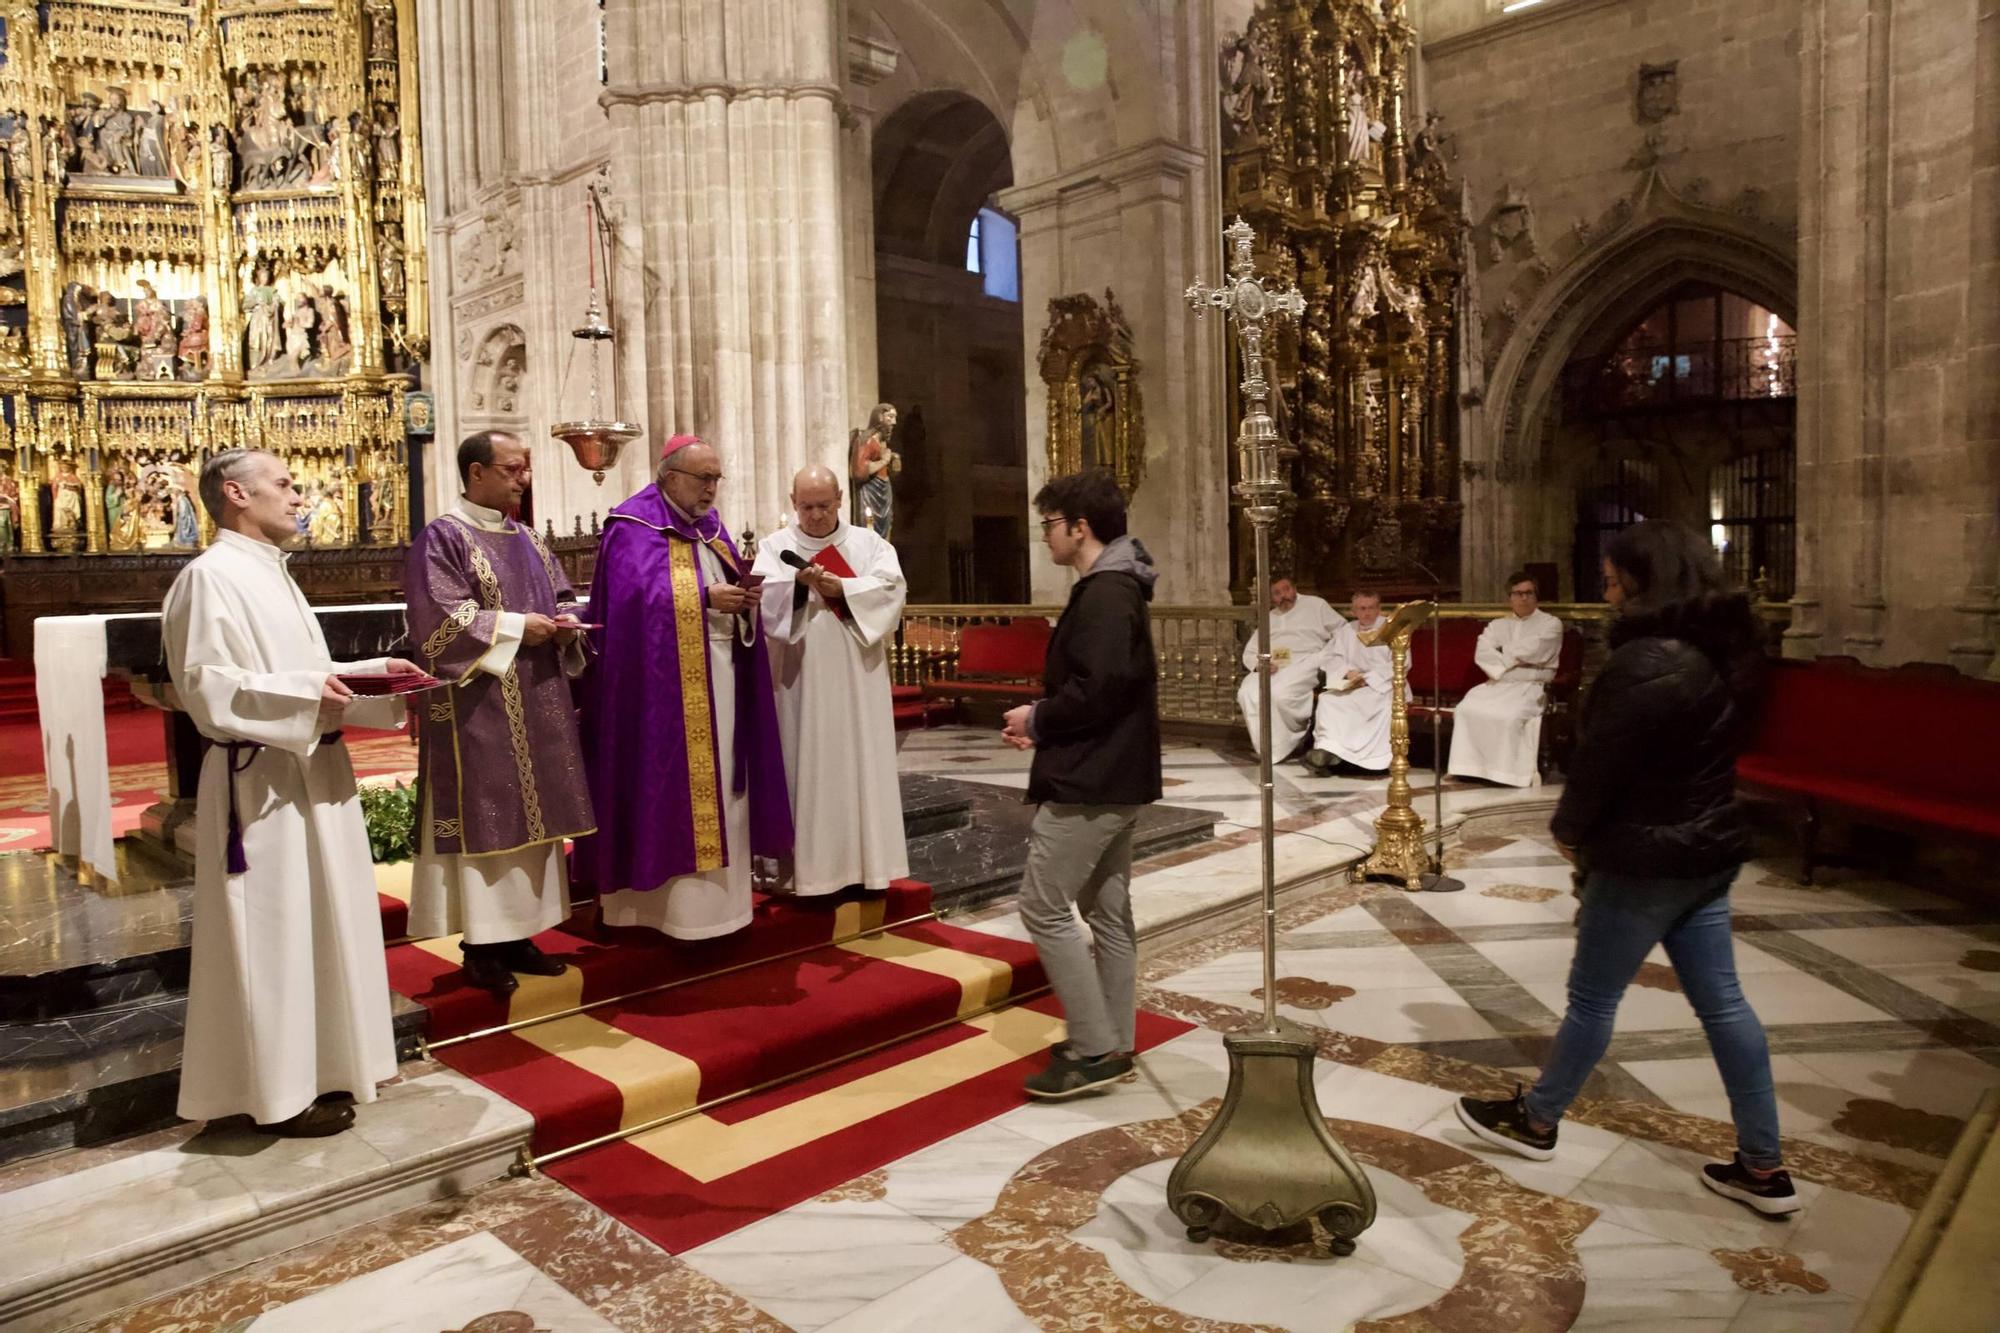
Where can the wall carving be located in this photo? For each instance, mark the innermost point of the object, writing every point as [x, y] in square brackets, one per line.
[210, 237]
[493, 381]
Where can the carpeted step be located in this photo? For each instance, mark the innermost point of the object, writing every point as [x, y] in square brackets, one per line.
[684, 1184]
[625, 1064]
[618, 962]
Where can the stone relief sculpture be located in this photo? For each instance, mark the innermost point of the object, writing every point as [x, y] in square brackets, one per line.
[1245, 90]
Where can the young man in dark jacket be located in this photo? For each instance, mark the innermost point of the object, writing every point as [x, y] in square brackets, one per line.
[1096, 737]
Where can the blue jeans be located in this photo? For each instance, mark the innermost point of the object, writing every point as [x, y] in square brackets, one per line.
[1622, 918]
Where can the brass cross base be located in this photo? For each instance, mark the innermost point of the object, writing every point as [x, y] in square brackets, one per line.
[1268, 1159]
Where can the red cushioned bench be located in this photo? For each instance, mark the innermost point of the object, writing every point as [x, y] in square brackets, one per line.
[1905, 747]
[1457, 673]
[996, 663]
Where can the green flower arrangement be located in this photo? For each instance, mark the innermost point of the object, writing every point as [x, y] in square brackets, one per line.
[391, 815]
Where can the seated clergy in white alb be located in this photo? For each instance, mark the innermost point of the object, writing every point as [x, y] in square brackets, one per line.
[833, 594]
[1301, 625]
[288, 996]
[1351, 721]
[1496, 731]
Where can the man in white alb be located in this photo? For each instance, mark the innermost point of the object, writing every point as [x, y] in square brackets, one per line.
[832, 597]
[1496, 731]
[1351, 720]
[1301, 626]
[288, 996]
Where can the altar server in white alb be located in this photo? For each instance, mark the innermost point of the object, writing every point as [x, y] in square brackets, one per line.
[833, 594]
[288, 998]
[1496, 731]
[1351, 720]
[1301, 626]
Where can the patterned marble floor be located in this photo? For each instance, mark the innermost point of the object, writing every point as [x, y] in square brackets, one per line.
[1881, 1000]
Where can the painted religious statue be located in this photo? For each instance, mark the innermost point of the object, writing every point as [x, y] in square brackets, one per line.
[871, 463]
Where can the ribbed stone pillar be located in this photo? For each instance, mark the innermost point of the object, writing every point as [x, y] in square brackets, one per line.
[726, 140]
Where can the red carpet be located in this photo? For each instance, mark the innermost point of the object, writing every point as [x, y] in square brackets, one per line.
[428, 971]
[679, 1211]
[932, 995]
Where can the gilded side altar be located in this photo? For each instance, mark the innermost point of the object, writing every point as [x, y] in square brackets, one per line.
[1355, 203]
[212, 236]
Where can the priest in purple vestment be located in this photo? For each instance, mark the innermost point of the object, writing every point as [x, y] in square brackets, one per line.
[500, 770]
[680, 723]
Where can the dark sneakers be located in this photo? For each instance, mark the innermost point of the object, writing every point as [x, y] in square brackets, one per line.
[1770, 1195]
[1068, 1076]
[1505, 1124]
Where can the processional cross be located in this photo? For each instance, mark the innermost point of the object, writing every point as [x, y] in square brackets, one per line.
[1261, 450]
[1267, 1159]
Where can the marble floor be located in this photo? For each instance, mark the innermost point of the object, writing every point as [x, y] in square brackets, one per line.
[1881, 1002]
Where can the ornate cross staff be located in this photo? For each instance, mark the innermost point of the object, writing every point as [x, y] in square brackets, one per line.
[1267, 1158]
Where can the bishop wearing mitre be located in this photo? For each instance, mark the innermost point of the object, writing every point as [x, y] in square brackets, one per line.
[500, 766]
[680, 726]
[288, 995]
[832, 597]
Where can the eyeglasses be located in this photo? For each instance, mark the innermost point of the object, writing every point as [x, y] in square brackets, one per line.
[702, 479]
[1048, 523]
[512, 469]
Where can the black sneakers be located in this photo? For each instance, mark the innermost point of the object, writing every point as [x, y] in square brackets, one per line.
[1770, 1195]
[1068, 1076]
[1504, 1124]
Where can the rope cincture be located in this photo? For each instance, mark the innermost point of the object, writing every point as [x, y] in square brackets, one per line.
[237, 862]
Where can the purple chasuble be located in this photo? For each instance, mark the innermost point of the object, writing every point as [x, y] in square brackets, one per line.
[500, 759]
[659, 797]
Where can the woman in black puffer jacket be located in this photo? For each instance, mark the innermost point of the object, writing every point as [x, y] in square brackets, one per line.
[1649, 815]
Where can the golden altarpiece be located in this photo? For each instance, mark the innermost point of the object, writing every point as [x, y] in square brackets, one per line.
[212, 236]
[1354, 203]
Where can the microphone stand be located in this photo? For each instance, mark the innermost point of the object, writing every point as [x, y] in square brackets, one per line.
[1435, 880]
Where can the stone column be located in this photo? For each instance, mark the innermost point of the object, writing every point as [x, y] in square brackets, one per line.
[1838, 539]
[1976, 651]
[727, 142]
[868, 63]
[1141, 222]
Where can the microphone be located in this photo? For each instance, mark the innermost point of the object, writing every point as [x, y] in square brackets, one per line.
[792, 558]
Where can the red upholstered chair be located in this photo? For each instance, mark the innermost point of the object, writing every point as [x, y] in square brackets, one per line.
[998, 663]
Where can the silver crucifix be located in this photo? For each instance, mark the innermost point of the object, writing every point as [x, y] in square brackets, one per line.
[1248, 304]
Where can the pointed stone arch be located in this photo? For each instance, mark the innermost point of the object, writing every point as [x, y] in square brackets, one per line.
[1648, 244]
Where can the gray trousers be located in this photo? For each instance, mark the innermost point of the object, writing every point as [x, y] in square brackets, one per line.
[1081, 855]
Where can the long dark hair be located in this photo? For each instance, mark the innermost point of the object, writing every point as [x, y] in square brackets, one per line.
[1675, 589]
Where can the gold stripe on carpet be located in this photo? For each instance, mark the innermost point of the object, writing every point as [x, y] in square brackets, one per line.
[393, 880]
[536, 996]
[653, 1080]
[707, 1149]
[983, 981]
[851, 918]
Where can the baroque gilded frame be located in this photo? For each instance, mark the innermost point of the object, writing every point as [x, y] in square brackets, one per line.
[1084, 343]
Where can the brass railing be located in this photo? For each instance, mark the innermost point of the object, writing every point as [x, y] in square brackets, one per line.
[1200, 648]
